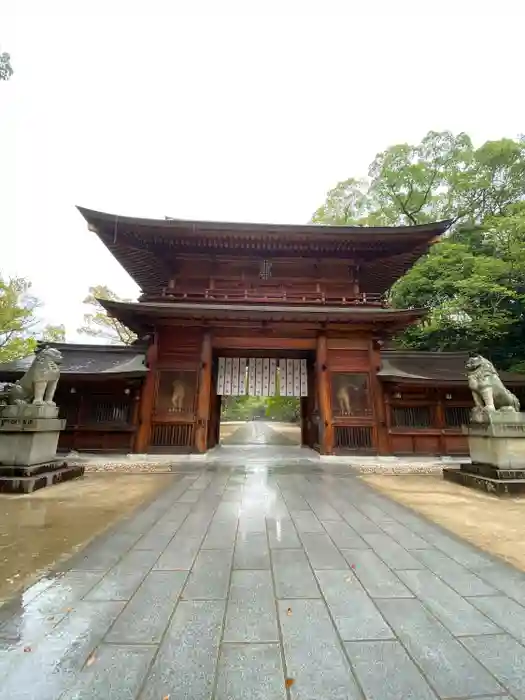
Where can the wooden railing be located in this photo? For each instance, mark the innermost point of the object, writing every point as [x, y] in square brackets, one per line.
[271, 295]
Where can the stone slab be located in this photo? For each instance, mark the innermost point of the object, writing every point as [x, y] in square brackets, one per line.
[392, 553]
[147, 614]
[251, 551]
[210, 576]
[504, 657]
[282, 534]
[344, 536]
[386, 672]
[446, 664]
[375, 576]
[180, 554]
[252, 671]
[355, 615]
[306, 521]
[314, 657]
[116, 672]
[292, 574]
[321, 551]
[453, 574]
[456, 613]
[51, 668]
[186, 662]
[123, 580]
[251, 615]
[506, 613]
[497, 487]
[29, 484]
[28, 411]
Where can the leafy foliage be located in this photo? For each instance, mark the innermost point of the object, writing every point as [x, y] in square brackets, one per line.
[473, 282]
[6, 71]
[19, 326]
[443, 177]
[243, 408]
[98, 324]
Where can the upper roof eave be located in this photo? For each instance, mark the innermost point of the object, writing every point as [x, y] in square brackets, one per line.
[96, 218]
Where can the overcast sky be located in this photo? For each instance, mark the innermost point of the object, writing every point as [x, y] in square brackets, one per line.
[241, 111]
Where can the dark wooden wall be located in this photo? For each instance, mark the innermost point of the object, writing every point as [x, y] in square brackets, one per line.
[101, 416]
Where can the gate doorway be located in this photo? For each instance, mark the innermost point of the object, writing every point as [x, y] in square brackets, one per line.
[263, 399]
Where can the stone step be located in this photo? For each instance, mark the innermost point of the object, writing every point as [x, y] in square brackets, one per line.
[499, 487]
[28, 484]
[493, 472]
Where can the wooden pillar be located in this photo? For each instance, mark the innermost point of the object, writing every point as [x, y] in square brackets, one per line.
[325, 400]
[147, 399]
[439, 419]
[204, 396]
[377, 397]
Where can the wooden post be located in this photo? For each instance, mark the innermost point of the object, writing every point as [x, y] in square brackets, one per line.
[325, 401]
[439, 419]
[147, 399]
[378, 399]
[204, 396]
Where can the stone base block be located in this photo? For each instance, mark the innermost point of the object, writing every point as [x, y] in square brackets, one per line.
[16, 479]
[485, 477]
[23, 445]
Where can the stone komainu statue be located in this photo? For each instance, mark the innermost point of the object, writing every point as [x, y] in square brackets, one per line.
[39, 383]
[488, 391]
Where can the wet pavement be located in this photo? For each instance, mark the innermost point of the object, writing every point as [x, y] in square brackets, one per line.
[262, 433]
[269, 577]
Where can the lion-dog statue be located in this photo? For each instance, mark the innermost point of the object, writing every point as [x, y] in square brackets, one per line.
[39, 383]
[488, 391]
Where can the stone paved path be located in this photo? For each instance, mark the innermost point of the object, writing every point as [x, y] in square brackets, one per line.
[238, 578]
[257, 433]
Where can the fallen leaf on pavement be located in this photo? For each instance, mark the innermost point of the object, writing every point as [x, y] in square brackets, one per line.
[91, 660]
[27, 648]
[289, 611]
[289, 682]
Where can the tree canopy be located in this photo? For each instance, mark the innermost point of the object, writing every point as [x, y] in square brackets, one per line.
[98, 324]
[6, 70]
[472, 282]
[20, 327]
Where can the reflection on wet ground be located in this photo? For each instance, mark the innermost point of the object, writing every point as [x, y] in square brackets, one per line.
[261, 433]
[38, 530]
[282, 579]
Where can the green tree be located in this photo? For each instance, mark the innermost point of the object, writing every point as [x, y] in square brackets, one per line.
[6, 71]
[98, 324]
[472, 282]
[20, 327]
[443, 177]
[473, 286]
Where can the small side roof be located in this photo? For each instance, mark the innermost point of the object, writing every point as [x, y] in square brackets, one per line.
[438, 368]
[86, 360]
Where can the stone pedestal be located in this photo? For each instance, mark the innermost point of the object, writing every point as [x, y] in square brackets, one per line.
[28, 444]
[497, 451]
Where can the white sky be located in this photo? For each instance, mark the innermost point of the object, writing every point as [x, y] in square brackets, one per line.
[242, 111]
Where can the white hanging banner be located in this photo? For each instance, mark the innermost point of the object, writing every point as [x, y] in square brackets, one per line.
[304, 378]
[273, 377]
[220, 376]
[258, 376]
[282, 377]
[262, 376]
[235, 376]
[251, 377]
[228, 377]
[289, 378]
[242, 376]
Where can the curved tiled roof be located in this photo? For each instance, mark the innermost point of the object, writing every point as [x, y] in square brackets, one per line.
[147, 248]
[435, 367]
[88, 361]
